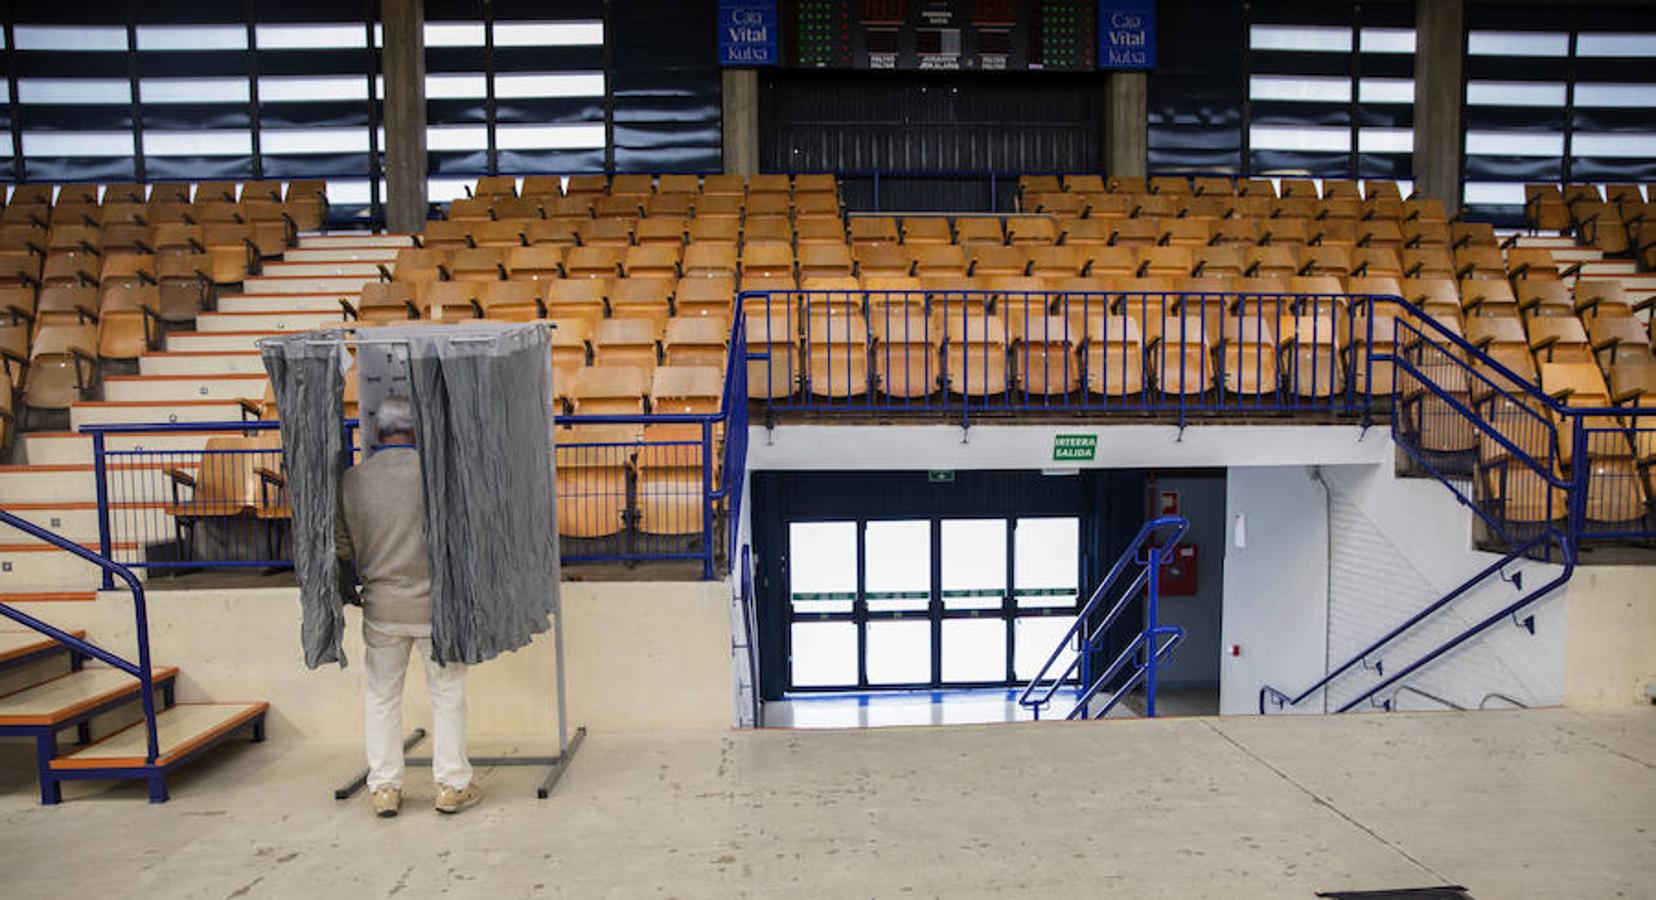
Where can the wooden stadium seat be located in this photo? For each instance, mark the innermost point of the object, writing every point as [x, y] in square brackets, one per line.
[1484, 296]
[571, 343]
[1055, 261]
[1558, 339]
[1151, 206]
[605, 233]
[1180, 356]
[974, 354]
[469, 211]
[1060, 205]
[1164, 262]
[1134, 232]
[537, 263]
[696, 341]
[1125, 184]
[1606, 297]
[1384, 210]
[816, 203]
[72, 238]
[720, 206]
[576, 207]
[628, 342]
[642, 297]
[1220, 261]
[385, 301]
[594, 262]
[894, 296]
[884, 259]
[971, 230]
[715, 231]
[550, 232]
[577, 298]
[1433, 262]
[1271, 261]
[505, 233]
[652, 260]
[778, 205]
[1311, 357]
[767, 230]
[71, 267]
[1110, 206]
[1617, 337]
[810, 230]
[609, 388]
[1187, 232]
[836, 356]
[417, 265]
[1376, 262]
[1435, 295]
[511, 301]
[1031, 230]
[670, 488]
[1248, 355]
[1111, 262]
[825, 260]
[772, 183]
[704, 259]
[767, 283]
[678, 184]
[815, 183]
[841, 292]
[1334, 261]
[671, 231]
[1086, 232]
[767, 258]
[63, 366]
[907, 353]
[592, 462]
[1206, 185]
[63, 304]
[686, 389]
[185, 285]
[874, 230]
[990, 260]
[705, 296]
[670, 204]
[1045, 357]
[1374, 330]
[449, 301]
[1502, 338]
[1550, 293]
[128, 321]
[1633, 382]
[479, 264]
[1039, 184]
[771, 333]
[955, 295]
[1291, 232]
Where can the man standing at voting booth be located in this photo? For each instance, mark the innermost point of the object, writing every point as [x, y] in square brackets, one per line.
[448, 514]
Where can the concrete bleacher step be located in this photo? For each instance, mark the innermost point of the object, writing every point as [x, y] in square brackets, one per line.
[70, 448]
[266, 303]
[150, 412]
[35, 567]
[353, 239]
[75, 521]
[180, 731]
[323, 268]
[267, 321]
[339, 254]
[216, 341]
[66, 697]
[123, 388]
[218, 362]
[19, 646]
[263, 284]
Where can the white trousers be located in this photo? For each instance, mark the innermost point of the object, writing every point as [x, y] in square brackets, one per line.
[385, 660]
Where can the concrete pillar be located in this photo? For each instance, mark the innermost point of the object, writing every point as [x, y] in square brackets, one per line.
[405, 114]
[740, 119]
[1440, 51]
[1127, 125]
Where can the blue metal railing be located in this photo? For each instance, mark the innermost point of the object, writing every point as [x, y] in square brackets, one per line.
[1144, 653]
[139, 670]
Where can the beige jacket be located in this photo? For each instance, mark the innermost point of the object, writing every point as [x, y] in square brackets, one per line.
[381, 526]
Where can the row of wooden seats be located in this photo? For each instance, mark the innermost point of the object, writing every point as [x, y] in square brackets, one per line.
[1612, 221]
[523, 299]
[634, 384]
[304, 203]
[1332, 188]
[643, 206]
[1072, 206]
[648, 478]
[642, 185]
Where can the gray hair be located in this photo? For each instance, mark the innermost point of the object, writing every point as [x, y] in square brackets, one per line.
[395, 416]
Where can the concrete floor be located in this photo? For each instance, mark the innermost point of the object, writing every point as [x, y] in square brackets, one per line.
[1538, 803]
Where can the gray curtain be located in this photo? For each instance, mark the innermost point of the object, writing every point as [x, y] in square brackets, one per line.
[482, 397]
[307, 376]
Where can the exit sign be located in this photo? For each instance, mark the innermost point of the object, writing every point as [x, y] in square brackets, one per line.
[940, 476]
[1074, 447]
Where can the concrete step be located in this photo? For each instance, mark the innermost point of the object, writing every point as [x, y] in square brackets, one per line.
[68, 448]
[276, 321]
[216, 341]
[181, 731]
[19, 645]
[35, 567]
[342, 254]
[75, 521]
[66, 697]
[1609, 267]
[304, 285]
[223, 362]
[284, 303]
[122, 388]
[322, 268]
[147, 412]
[336, 240]
[129, 482]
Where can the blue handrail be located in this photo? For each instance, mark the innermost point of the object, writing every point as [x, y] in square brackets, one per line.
[140, 670]
[1128, 557]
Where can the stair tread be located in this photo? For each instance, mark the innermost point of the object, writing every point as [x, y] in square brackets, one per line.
[48, 596]
[61, 698]
[179, 731]
[16, 644]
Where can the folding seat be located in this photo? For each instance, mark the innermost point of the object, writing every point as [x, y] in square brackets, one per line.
[767, 283]
[185, 285]
[1104, 262]
[836, 356]
[605, 389]
[816, 203]
[1340, 189]
[1186, 232]
[541, 186]
[38, 215]
[71, 267]
[655, 260]
[767, 258]
[1271, 260]
[1061, 205]
[772, 183]
[273, 229]
[1127, 184]
[627, 208]
[974, 354]
[894, 296]
[1248, 355]
[63, 366]
[1551, 293]
[447, 234]
[1615, 492]
[686, 390]
[605, 233]
[574, 206]
[127, 269]
[1464, 235]
[884, 259]
[1374, 286]
[1205, 185]
[696, 341]
[74, 214]
[662, 230]
[720, 206]
[510, 301]
[578, 185]
[1204, 208]
[679, 184]
[1152, 206]
[592, 462]
[65, 304]
[1558, 339]
[1086, 233]
[1164, 262]
[1110, 206]
[1425, 235]
[770, 331]
[643, 297]
[482, 264]
[550, 232]
[711, 295]
[1340, 233]
[577, 298]
[1531, 262]
[1240, 232]
[627, 342]
[412, 264]
[671, 204]
[74, 238]
[1089, 184]
[819, 230]
[1031, 230]
[1134, 232]
[1501, 338]
[777, 205]
[1380, 233]
[470, 210]
[1208, 297]
[1056, 261]
[1432, 262]
[1294, 207]
[1311, 357]
[972, 230]
[1181, 357]
[594, 262]
[1633, 384]
[1376, 262]
[1227, 261]
[1434, 295]
[36, 194]
[1045, 352]
[1148, 301]
[1606, 297]
[449, 301]
[715, 231]
[132, 192]
[991, 260]
[306, 202]
[1374, 330]
[571, 345]
[874, 230]
[1294, 233]
[1113, 354]
[1038, 184]
[501, 233]
[384, 301]
[126, 321]
[1340, 209]
[1384, 210]
[825, 260]
[1487, 297]
[1334, 261]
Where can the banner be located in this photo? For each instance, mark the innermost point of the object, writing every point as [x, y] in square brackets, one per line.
[747, 33]
[1127, 34]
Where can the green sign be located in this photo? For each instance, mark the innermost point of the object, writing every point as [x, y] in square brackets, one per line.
[1074, 447]
[940, 476]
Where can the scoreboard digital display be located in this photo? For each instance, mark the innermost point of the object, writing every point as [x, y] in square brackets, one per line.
[968, 35]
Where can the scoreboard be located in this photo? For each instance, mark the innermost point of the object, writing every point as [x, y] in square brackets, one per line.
[970, 35]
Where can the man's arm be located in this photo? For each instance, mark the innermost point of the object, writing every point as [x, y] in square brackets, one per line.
[342, 532]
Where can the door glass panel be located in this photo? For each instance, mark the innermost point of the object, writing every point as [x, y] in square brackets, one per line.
[1048, 553]
[1033, 638]
[899, 651]
[974, 649]
[822, 566]
[974, 563]
[824, 654]
[898, 560]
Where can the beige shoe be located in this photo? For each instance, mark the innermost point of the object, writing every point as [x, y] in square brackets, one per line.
[450, 800]
[387, 802]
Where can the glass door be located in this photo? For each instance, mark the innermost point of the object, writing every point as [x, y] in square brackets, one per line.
[973, 581]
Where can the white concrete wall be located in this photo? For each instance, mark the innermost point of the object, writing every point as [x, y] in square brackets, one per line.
[641, 656]
[1610, 652]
